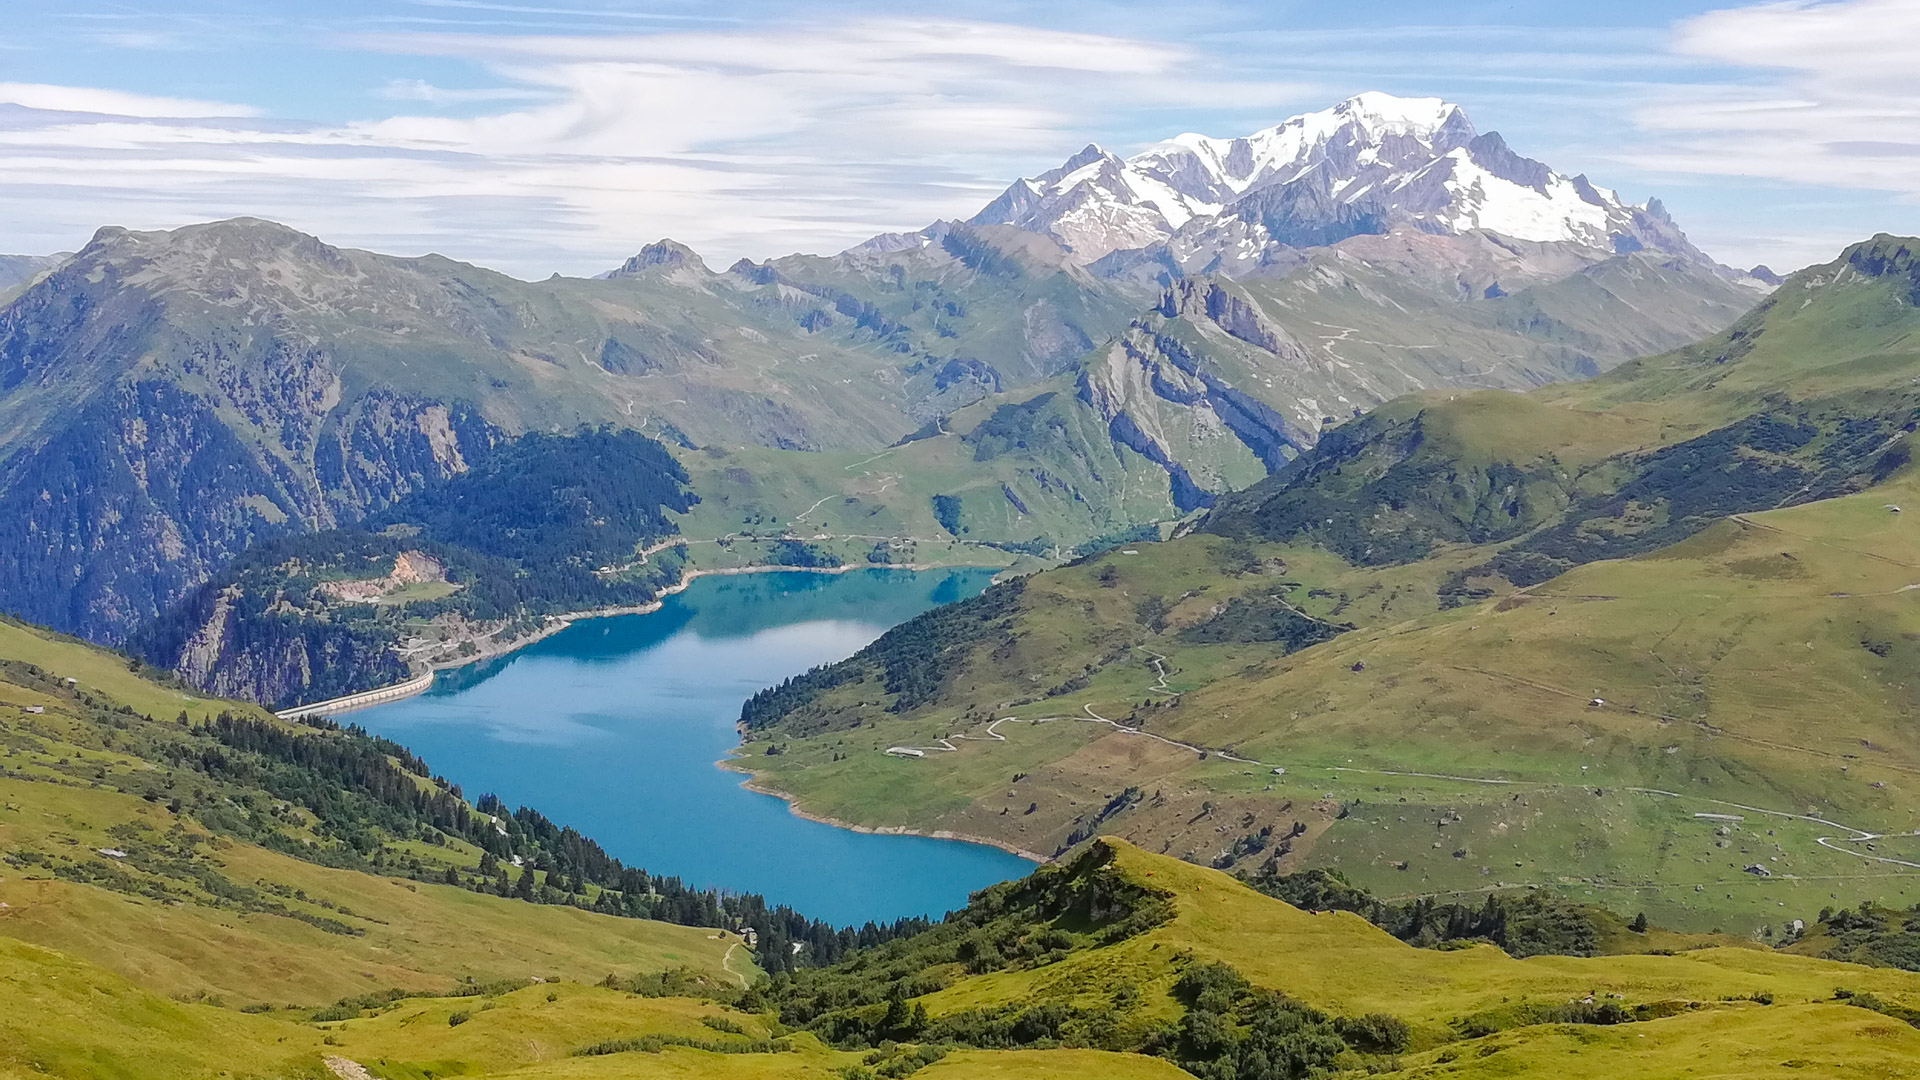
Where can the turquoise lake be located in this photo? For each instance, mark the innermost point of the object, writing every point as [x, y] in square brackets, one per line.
[613, 726]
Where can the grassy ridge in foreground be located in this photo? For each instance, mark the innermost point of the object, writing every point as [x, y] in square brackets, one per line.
[1351, 999]
[1119, 996]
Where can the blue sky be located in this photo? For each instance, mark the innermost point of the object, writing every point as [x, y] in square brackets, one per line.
[537, 136]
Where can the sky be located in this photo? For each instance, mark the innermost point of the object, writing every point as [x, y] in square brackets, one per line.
[543, 136]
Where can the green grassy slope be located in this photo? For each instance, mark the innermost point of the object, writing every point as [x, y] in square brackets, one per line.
[1119, 965]
[68, 1018]
[123, 847]
[1445, 740]
[1031, 472]
[1126, 948]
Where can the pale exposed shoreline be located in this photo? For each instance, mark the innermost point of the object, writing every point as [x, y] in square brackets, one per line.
[754, 784]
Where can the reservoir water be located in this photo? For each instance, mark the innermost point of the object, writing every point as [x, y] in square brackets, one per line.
[613, 726]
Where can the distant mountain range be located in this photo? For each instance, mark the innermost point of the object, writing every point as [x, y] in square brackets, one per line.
[1107, 346]
[1369, 165]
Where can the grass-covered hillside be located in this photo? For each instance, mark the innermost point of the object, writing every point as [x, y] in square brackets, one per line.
[1646, 641]
[1116, 964]
[192, 888]
[206, 850]
[1123, 950]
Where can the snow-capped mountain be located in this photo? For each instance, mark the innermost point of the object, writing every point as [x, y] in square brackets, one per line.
[1369, 164]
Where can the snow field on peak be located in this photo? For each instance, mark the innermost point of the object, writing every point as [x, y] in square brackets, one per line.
[1482, 200]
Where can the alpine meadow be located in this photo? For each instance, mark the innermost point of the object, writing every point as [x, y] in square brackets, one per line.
[1346, 600]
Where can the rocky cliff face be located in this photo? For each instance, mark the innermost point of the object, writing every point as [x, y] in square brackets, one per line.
[278, 658]
[1223, 382]
[1163, 388]
[153, 430]
[151, 487]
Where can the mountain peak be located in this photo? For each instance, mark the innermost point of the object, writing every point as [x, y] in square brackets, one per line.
[1095, 203]
[1088, 154]
[1382, 111]
[214, 247]
[1887, 256]
[249, 231]
[662, 254]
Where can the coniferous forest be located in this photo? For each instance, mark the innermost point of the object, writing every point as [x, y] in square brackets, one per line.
[531, 528]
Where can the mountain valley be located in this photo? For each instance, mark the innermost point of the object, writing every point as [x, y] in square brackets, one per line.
[1442, 623]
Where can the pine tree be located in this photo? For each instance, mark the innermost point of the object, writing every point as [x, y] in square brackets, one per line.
[894, 1023]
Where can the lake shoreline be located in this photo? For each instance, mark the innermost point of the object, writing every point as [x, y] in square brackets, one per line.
[754, 784]
[420, 682]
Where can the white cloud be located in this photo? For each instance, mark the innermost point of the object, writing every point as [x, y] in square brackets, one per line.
[595, 13]
[82, 99]
[1829, 96]
[742, 142]
[424, 91]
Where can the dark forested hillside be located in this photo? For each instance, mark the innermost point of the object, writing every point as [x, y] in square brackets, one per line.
[532, 528]
[912, 660]
[586, 498]
[1395, 486]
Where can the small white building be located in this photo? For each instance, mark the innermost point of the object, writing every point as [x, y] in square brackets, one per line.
[905, 751]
